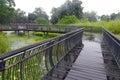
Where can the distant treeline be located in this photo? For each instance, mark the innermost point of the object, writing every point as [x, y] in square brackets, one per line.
[70, 10]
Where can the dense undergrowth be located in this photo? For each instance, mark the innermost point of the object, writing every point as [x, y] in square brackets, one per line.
[15, 41]
[113, 25]
[4, 43]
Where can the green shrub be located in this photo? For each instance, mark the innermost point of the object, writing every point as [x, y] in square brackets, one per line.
[113, 25]
[68, 20]
[42, 21]
[4, 44]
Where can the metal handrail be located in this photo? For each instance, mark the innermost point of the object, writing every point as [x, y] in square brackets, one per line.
[29, 58]
[113, 43]
[38, 27]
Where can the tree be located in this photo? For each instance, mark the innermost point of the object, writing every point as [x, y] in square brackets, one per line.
[42, 20]
[77, 9]
[105, 18]
[68, 8]
[6, 11]
[32, 16]
[68, 20]
[37, 14]
[91, 16]
[20, 15]
[115, 16]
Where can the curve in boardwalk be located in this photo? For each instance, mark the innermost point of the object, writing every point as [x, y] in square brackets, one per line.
[36, 27]
[59, 58]
[33, 61]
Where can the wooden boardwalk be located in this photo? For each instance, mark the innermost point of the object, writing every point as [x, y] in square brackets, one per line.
[89, 65]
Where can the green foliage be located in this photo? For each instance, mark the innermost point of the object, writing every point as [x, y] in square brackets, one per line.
[113, 25]
[38, 13]
[68, 20]
[91, 16]
[68, 8]
[4, 44]
[20, 15]
[6, 11]
[114, 16]
[41, 36]
[42, 21]
[105, 18]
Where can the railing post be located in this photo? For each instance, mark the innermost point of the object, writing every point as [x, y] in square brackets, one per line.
[57, 50]
[2, 66]
[21, 67]
[50, 55]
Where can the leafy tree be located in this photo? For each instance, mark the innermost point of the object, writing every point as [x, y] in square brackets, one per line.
[32, 16]
[20, 15]
[68, 20]
[115, 16]
[91, 16]
[68, 8]
[105, 18]
[42, 21]
[6, 11]
[38, 13]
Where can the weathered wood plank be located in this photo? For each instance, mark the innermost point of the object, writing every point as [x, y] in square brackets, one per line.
[89, 64]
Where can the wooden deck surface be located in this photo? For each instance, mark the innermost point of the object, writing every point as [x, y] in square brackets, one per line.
[89, 64]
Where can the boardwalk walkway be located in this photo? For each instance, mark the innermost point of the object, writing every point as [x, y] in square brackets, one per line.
[65, 58]
[89, 64]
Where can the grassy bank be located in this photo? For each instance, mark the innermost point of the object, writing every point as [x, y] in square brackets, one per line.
[17, 41]
[12, 41]
[4, 43]
[113, 25]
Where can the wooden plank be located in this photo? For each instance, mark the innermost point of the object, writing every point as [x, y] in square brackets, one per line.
[89, 64]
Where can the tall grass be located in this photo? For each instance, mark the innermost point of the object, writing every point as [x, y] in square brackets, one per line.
[4, 44]
[113, 25]
[39, 36]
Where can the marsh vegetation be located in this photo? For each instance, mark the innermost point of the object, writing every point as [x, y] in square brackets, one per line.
[10, 40]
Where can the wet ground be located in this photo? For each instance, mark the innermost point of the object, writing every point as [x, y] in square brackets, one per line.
[89, 64]
[16, 41]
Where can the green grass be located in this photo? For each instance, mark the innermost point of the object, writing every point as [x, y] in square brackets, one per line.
[39, 36]
[17, 41]
[113, 25]
[4, 43]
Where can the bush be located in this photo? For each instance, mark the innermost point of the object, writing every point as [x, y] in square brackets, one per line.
[113, 25]
[4, 44]
[42, 21]
[68, 20]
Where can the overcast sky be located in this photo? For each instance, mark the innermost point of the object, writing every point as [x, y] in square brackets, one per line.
[100, 6]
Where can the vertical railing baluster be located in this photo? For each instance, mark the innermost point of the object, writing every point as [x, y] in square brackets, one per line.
[50, 55]
[57, 51]
[2, 66]
[21, 67]
[46, 61]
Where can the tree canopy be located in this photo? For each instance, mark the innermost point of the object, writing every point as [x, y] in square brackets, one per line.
[68, 8]
[37, 13]
[20, 15]
[91, 16]
[68, 20]
[6, 11]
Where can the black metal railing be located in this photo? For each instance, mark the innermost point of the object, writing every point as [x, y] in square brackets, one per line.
[32, 62]
[37, 27]
[114, 44]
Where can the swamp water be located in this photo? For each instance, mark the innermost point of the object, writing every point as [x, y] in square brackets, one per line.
[16, 41]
